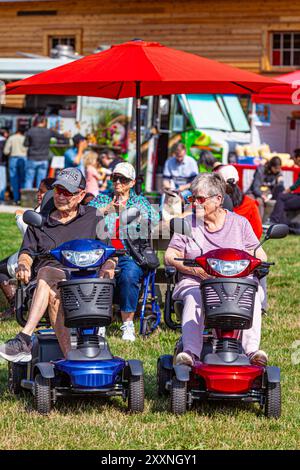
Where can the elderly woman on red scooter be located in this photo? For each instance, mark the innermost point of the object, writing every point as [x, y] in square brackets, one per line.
[215, 228]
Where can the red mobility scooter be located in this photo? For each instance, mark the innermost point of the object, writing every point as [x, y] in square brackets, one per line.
[224, 371]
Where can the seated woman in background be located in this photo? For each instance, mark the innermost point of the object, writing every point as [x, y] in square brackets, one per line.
[288, 200]
[242, 204]
[267, 183]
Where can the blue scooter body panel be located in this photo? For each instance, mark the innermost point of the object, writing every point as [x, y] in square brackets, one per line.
[92, 374]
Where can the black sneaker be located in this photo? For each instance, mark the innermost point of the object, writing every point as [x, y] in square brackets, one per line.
[16, 350]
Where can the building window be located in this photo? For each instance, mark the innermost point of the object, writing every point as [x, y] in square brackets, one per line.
[65, 40]
[65, 37]
[285, 49]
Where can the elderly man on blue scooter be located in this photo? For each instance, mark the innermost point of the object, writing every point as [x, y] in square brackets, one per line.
[69, 219]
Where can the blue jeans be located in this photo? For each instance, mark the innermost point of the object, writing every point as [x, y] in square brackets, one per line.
[17, 167]
[3, 182]
[35, 171]
[128, 284]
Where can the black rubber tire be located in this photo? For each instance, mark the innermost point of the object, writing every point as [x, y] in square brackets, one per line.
[136, 393]
[42, 397]
[148, 322]
[162, 377]
[178, 396]
[145, 328]
[273, 400]
[16, 373]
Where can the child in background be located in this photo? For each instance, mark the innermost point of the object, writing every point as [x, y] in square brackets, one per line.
[93, 173]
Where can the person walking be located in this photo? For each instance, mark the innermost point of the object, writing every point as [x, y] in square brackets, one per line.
[3, 164]
[37, 140]
[16, 151]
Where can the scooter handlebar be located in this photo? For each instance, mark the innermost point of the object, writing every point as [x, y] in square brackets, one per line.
[120, 252]
[187, 262]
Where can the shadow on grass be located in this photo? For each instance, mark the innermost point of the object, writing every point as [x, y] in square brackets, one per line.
[71, 405]
[6, 396]
[208, 409]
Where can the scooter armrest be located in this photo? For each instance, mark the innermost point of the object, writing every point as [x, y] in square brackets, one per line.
[170, 272]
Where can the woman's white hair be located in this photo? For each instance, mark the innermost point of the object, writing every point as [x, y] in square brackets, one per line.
[208, 184]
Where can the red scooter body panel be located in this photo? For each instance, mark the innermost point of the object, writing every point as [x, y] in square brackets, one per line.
[228, 379]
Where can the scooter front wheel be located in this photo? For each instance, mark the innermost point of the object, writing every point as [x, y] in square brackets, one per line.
[178, 396]
[42, 395]
[16, 373]
[273, 400]
[136, 394]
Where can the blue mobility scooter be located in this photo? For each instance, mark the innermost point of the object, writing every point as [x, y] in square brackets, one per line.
[89, 369]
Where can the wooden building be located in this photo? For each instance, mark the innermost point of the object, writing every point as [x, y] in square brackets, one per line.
[259, 35]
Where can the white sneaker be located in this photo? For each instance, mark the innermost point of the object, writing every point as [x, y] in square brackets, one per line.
[258, 358]
[184, 358]
[102, 331]
[128, 331]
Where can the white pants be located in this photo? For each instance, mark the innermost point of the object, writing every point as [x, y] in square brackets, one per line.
[193, 321]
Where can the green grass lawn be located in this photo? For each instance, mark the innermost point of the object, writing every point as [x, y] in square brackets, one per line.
[105, 424]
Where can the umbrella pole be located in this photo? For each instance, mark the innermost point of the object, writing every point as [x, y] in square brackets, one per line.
[138, 138]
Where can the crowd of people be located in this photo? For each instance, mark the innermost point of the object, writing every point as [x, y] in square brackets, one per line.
[267, 186]
[95, 187]
[25, 159]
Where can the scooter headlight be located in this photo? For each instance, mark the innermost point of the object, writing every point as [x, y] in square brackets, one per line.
[228, 268]
[83, 258]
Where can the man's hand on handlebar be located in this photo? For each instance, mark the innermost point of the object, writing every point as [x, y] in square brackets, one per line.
[107, 271]
[23, 273]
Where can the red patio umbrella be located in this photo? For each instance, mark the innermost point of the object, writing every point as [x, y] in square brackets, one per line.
[136, 69]
[285, 92]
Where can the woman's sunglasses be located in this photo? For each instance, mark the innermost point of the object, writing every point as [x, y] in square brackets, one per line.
[63, 192]
[200, 199]
[122, 179]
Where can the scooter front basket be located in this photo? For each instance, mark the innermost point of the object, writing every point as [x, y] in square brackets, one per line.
[87, 302]
[228, 303]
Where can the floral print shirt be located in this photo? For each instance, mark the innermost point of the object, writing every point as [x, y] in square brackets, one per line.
[141, 228]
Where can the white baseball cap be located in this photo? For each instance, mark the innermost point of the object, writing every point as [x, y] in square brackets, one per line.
[228, 172]
[125, 169]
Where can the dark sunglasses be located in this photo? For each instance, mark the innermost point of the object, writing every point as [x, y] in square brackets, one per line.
[63, 192]
[200, 199]
[122, 179]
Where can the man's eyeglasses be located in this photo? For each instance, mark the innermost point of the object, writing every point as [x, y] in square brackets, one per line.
[200, 199]
[122, 179]
[63, 192]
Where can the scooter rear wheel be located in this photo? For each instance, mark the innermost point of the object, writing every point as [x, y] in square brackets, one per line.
[178, 397]
[273, 400]
[136, 394]
[16, 372]
[42, 395]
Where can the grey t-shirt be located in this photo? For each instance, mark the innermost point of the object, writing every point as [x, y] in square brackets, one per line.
[38, 141]
[236, 233]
